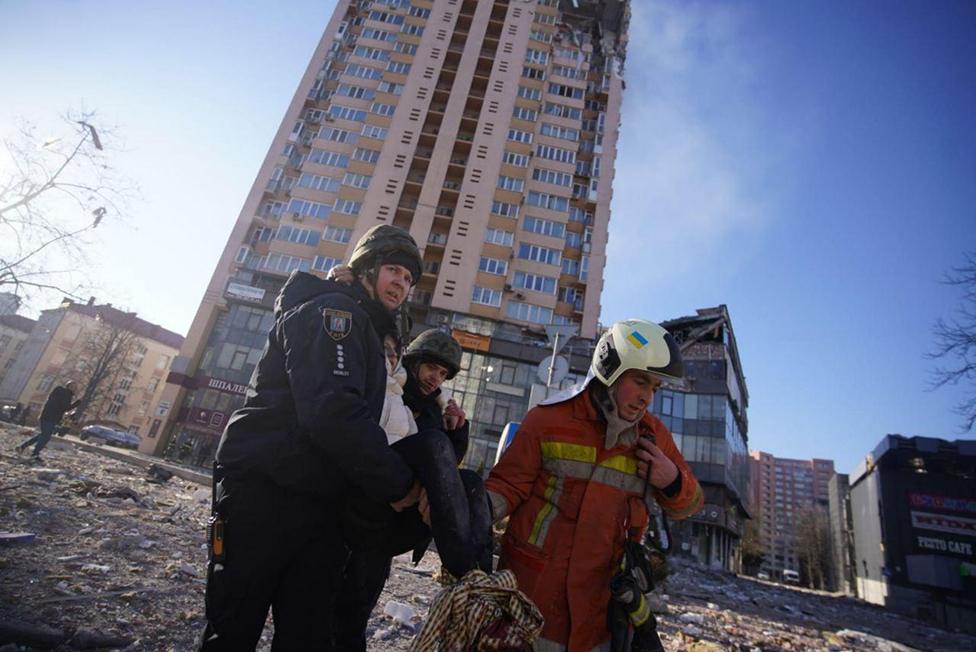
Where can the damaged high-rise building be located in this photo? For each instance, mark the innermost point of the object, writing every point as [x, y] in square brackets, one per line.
[488, 129]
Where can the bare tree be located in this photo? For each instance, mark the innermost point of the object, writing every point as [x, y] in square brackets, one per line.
[103, 364]
[812, 535]
[955, 340]
[52, 194]
[753, 553]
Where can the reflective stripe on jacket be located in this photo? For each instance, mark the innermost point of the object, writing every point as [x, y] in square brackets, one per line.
[572, 505]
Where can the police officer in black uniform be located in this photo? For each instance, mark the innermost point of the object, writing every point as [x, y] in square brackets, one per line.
[308, 433]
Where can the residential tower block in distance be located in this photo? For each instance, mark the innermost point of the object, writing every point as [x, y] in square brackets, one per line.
[784, 491]
[488, 129]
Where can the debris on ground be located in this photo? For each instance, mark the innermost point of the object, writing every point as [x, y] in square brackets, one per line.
[118, 561]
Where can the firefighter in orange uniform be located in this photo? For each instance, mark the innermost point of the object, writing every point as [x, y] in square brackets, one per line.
[575, 479]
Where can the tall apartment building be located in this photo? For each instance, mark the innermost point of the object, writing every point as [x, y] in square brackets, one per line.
[488, 130]
[82, 341]
[841, 533]
[782, 489]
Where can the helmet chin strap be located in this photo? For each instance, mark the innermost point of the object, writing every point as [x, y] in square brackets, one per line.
[619, 430]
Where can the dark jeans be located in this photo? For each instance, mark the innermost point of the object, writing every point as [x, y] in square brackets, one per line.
[283, 551]
[460, 524]
[41, 439]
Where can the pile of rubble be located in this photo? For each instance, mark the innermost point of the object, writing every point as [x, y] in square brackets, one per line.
[97, 553]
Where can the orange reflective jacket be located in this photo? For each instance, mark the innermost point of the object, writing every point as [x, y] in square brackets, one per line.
[572, 505]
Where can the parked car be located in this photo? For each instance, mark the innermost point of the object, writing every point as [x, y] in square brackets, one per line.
[107, 435]
[791, 576]
[763, 575]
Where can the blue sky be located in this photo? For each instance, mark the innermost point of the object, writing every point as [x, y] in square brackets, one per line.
[810, 165]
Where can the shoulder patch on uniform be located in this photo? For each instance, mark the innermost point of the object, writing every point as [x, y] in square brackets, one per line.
[337, 323]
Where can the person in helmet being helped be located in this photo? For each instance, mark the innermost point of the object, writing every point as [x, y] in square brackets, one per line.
[426, 427]
[574, 481]
[307, 435]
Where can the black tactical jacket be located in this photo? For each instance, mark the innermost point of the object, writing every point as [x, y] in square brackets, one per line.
[428, 414]
[311, 417]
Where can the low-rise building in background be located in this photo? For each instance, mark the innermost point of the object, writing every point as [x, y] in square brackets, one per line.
[118, 361]
[913, 502]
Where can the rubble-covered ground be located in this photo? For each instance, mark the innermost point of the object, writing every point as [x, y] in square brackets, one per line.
[118, 561]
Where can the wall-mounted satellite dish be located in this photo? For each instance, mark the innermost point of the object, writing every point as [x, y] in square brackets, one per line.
[559, 371]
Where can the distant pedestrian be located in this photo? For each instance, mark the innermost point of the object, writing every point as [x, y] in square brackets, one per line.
[58, 402]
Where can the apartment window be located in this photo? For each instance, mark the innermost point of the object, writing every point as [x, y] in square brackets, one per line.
[382, 109]
[363, 72]
[405, 48]
[379, 35]
[536, 56]
[562, 111]
[356, 180]
[511, 183]
[555, 154]
[580, 215]
[318, 182]
[499, 237]
[545, 200]
[368, 155]
[297, 236]
[519, 160]
[337, 135]
[530, 93]
[540, 35]
[543, 227]
[347, 206]
[419, 12]
[552, 176]
[306, 208]
[413, 30]
[486, 296]
[390, 87]
[570, 266]
[525, 113]
[162, 362]
[372, 131]
[519, 136]
[337, 234]
[324, 263]
[539, 254]
[566, 91]
[324, 157]
[45, 384]
[355, 92]
[528, 312]
[544, 19]
[338, 112]
[570, 295]
[534, 282]
[493, 266]
[571, 73]
[398, 67]
[375, 54]
[383, 17]
[153, 385]
[573, 240]
[504, 209]
[549, 129]
[533, 73]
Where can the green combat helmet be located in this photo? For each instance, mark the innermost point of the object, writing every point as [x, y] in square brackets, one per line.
[385, 243]
[435, 346]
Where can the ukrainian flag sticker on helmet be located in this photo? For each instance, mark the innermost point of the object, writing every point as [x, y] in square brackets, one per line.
[637, 339]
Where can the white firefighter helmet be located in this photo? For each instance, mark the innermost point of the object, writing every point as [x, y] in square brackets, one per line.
[636, 344]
